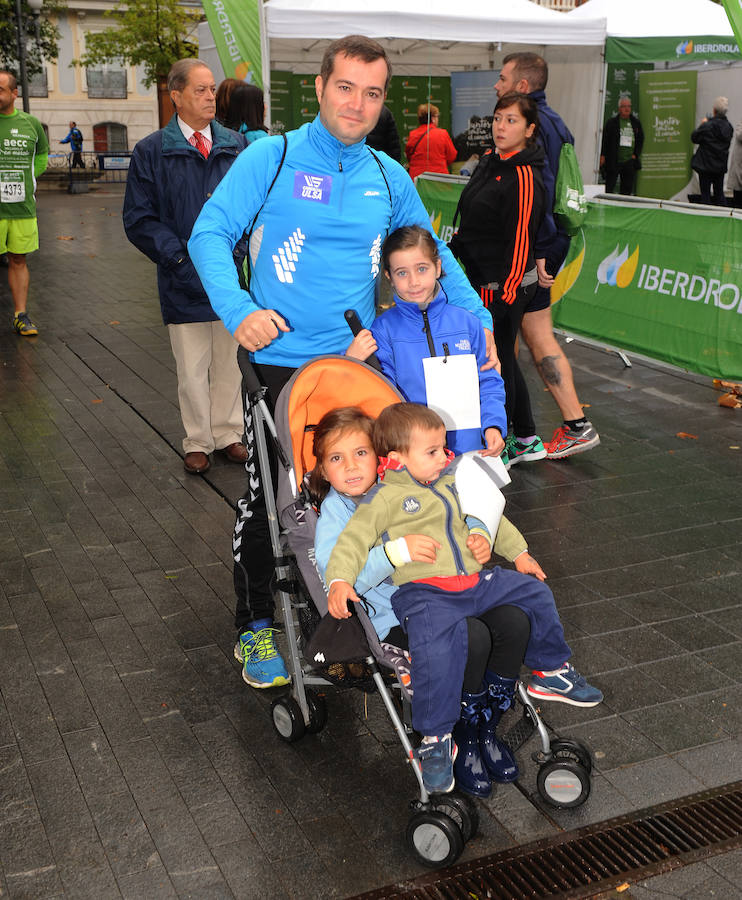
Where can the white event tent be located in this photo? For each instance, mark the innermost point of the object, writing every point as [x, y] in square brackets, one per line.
[644, 23]
[439, 36]
[656, 18]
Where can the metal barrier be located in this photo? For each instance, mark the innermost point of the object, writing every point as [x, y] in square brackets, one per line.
[77, 172]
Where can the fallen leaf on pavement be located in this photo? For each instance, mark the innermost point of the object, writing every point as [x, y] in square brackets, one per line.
[65, 237]
[687, 437]
[730, 400]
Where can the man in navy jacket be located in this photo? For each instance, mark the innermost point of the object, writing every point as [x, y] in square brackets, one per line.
[171, 175]
[528, 73]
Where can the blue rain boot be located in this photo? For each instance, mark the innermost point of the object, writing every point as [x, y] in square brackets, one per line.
[497, 756]
[471, 775]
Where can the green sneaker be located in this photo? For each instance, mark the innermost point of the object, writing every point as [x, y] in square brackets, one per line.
[516, 452]
[23, 325]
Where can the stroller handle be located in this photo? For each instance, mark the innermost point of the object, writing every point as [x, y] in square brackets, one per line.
[351, 317]
[251, 381]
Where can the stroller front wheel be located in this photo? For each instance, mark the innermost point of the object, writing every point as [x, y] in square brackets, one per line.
[459, 808]
[434, 839]
[287, 719]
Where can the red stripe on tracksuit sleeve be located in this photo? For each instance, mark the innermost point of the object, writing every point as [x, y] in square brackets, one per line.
[520, 251]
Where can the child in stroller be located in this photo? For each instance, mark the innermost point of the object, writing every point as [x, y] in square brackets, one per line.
[439, 824]
[495, 640]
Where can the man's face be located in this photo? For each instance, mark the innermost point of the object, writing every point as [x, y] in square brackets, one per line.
[509, 81]
[7, 97]
[72, 125]
[351, 100]
[624, 108]
[196, 103]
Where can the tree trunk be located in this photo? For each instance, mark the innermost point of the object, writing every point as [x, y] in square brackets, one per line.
[164, 103]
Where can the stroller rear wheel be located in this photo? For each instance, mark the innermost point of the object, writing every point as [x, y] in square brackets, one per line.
[317, 711]
[570, 749]
[287, 719]
[434, 839]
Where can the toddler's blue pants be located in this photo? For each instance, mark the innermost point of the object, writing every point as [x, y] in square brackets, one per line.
[435, 622]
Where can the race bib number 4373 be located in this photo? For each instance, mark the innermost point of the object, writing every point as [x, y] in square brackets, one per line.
[12, 187]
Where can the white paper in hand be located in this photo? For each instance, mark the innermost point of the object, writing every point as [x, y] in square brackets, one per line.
[452, 389]
[478, 482]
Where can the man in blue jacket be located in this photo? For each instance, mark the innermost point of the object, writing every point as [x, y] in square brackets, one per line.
[529, 73]
[315, 248]
[171, 175]
[74, 139]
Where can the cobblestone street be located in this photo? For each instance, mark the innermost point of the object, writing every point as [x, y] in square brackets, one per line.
[135, 763]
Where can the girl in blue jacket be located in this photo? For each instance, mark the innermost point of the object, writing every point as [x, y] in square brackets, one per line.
[424, 324]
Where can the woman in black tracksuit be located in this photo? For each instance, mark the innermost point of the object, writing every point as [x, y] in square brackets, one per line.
[501, 209]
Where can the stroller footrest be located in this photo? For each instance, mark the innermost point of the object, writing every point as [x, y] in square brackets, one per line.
[519, 733]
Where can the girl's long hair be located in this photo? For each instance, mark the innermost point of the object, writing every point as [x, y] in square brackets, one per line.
[246, 107]
[334, 422]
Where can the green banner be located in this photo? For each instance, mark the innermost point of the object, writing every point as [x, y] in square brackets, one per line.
[664, 283]
[667, 106]
[734, 14]
[235, 26]
[440, 199]
[304, 102]
[689, 48]
[407, 92]
[621, 81]
[281, 111]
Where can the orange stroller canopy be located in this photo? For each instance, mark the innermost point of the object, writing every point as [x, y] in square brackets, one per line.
[325, 384]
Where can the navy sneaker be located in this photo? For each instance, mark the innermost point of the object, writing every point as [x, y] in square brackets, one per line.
[262, 664]
[436, 764]
[566, 686]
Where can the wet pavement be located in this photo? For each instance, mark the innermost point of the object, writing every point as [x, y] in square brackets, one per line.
[133, 760]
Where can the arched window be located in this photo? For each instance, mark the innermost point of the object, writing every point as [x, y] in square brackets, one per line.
[110, 137]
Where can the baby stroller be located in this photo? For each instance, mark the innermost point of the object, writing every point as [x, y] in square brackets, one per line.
[439, 824]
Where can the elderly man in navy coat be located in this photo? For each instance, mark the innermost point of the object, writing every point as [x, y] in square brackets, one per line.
[172, 174]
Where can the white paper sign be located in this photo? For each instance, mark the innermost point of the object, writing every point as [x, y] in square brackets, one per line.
[478, 481]
[452, 389]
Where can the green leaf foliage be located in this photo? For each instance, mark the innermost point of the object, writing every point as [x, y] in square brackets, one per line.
[151, 33]
[38, 47]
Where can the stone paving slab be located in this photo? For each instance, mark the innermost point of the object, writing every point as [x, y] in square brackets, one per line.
[134, 761]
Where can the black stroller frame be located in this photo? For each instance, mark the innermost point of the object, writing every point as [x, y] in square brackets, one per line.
[439, 824]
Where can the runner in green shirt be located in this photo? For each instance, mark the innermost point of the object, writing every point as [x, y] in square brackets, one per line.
[24, 153]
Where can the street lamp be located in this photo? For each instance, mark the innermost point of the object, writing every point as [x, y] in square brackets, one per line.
[35, 6]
